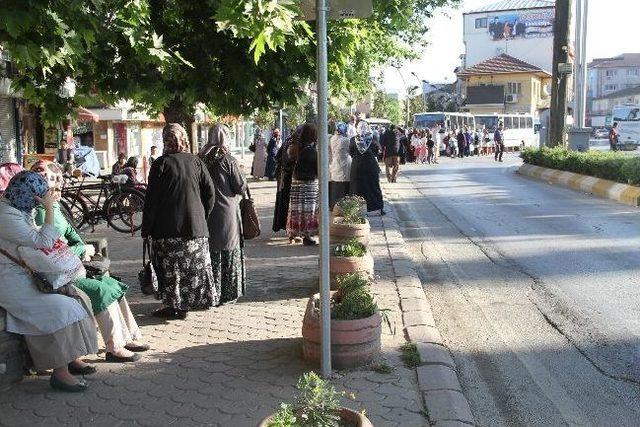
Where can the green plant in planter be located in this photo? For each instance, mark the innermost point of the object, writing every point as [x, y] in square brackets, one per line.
[354, 300]
[316, 404]
[350, 208]
[350, 248]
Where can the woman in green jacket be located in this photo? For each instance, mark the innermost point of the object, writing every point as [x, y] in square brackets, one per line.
[117, 325]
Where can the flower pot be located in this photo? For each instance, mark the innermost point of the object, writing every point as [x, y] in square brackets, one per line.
[341, 232]
[351, 418]
[337, 212]
[353, 342]
[345, 265]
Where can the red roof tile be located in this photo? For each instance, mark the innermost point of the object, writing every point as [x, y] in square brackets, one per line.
[501, 64]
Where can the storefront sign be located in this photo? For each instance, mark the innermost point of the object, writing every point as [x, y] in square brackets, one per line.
[120, 137]
[51, 139]
[521, 25]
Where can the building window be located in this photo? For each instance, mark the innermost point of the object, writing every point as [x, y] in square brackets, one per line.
[481, 22]
[514, 88]
[633, 72]
[610, 87]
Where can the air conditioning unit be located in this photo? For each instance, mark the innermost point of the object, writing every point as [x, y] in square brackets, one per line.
[511, 98]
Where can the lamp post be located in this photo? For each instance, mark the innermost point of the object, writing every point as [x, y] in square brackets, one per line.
[421, 85]
[406, 88]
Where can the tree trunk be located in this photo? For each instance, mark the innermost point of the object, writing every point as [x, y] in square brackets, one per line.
[177, 112]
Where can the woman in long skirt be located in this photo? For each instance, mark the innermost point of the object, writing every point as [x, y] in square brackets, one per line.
[302, 220]
[259, 165]
[179, 199]
[226, 244]
[272, 151]
[365, 172]
[284, 175]
[340, 164]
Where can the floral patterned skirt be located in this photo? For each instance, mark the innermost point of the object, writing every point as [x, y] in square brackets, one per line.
[185, 277]
[302, 220]
[229, 274]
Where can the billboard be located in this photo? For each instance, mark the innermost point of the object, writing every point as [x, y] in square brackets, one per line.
[525, 24]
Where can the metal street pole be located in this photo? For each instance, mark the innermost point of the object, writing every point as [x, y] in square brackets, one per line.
[406, 88]
[580, 88]
[323, 168]
[421, 86]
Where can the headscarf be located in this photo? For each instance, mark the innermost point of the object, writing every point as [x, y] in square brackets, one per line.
[174, 138]
[364, 137]
[342, 128]
[23, 188]
[132, 162]
[218, 137]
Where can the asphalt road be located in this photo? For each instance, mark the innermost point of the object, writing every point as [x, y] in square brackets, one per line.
[535, 288]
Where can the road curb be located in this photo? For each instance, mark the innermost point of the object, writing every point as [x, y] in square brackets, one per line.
[622, 193]
[437, 375]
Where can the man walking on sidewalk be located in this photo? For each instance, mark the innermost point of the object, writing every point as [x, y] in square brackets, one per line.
[498, 139]
[391, 152]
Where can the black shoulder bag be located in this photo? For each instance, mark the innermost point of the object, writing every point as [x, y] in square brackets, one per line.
[147, 276]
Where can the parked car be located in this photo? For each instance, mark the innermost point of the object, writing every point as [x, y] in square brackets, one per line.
[601, 133]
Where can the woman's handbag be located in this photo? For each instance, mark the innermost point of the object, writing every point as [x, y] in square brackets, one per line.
[250, 221]
[41, 282]
[147, 276]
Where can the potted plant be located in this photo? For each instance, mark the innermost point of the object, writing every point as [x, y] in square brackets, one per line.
[316, 404]
[346, 202]
[355, 324]
[351, 223]
[350, 257]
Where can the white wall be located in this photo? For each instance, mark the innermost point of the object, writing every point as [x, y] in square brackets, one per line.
[480, 46]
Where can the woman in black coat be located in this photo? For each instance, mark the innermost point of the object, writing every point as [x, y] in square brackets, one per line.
[365, 172]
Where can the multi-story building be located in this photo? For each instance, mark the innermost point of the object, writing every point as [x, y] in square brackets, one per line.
[602, 106]
[508, 57]
[505, 84]
[522, 29]
[608, 80]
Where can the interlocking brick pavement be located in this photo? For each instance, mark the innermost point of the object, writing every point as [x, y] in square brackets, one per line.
[232, 365]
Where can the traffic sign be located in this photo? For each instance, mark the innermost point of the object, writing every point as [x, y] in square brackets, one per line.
[338, 9]
[565, 68]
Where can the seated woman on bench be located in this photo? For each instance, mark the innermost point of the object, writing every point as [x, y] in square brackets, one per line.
[117, 325]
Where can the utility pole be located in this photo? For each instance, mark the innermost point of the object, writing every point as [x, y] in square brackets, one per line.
[561, 46]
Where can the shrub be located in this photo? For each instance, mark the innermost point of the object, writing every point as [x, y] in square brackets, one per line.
[354, 300]
[350, 209]
[350, 248]
[606, 165]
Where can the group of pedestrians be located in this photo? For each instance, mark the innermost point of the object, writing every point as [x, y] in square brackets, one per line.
[265, 153]
[353, 169]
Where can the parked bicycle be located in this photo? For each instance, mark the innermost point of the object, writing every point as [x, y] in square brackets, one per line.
[91, 202]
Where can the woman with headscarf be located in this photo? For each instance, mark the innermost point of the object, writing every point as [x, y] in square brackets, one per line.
[339, 164]
[258, 167]
[365, 172]
[180, 196]
[57, 328]
[284, 176]
[225, 224]
[302, 221]
[272, 151]
[117, 325]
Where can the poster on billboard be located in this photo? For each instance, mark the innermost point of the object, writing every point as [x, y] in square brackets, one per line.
[521, 25]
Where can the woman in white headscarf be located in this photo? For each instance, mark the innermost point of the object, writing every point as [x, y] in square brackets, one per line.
[259, 165]
[365, 171]
[226, 244]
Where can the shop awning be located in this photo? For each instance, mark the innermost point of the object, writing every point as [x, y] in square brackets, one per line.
[85, 115]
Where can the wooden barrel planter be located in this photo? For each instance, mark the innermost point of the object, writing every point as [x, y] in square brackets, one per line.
[340, 232]
[353, 342]
[345, 265]
[347, 416]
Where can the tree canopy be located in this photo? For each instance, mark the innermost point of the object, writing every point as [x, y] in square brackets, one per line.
[234, 56]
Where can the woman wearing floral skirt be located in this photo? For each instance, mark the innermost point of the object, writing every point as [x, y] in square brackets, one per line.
[302, 220]
[179, 199]
[225, 224]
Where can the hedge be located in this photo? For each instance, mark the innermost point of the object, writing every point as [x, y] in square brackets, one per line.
[607, 165]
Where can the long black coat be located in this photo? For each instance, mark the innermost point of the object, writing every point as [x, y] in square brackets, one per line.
[365, 175]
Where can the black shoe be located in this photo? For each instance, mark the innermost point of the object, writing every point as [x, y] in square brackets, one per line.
[382, 212]
[137, 348]
[87, 370]
[170, 313]
[57, 384]
[308, 242]
[110, 357]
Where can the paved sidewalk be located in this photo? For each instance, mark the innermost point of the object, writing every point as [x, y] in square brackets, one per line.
[232, 365]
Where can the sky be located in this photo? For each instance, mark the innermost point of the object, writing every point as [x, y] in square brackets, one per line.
[612, 30]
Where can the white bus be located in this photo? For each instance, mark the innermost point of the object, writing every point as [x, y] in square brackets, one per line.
[519, 130]
[628, 119]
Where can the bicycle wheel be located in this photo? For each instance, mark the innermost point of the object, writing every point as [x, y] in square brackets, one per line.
[124, 210]
[75, 209]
